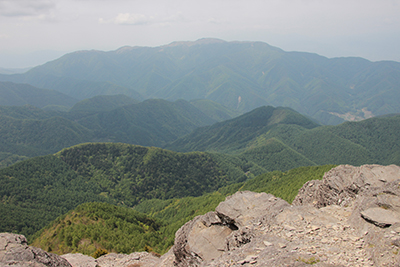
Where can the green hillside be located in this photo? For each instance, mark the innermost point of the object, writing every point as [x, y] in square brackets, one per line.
[27, 112]
[281, 139]
[235, 134]
[123, 230]
[14, 94]
[152, 122]
[215, 110]
[36, 191]
[102, 103]
[28, 131]
[97, 228]
[30, 137]
[239, 75]
[76, 88]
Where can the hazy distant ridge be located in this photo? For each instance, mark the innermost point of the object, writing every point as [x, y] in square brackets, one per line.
[239, 75]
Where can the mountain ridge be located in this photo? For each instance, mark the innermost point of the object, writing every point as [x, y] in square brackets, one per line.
[297, 137]
[239, 75]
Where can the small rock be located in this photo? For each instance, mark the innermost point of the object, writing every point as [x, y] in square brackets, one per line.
[267, 244]
[315, 227]
[380, 217]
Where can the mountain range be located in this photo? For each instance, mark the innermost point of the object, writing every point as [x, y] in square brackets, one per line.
[238, 75]
[29, 131]
[236, 150]
[271, 136]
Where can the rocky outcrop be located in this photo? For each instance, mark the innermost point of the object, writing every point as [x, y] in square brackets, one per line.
[14, 251]
[343, 183]
[349, 218]
[207, 237]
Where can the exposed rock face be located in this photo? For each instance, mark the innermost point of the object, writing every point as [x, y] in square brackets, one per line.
[14, 251]
[344, 183]
[350, 218]
[208, 236]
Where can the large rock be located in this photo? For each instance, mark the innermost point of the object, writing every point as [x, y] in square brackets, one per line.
[245, 206]
[14, 251]
[341, 184]
[350, 218]
[203, 238]
[208, 236]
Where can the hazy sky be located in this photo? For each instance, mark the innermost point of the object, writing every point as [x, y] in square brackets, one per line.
[35, 31]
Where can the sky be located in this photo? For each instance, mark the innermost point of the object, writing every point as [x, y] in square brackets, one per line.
[33, 32]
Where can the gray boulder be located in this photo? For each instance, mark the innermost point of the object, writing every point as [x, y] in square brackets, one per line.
[342, 184]
[14, 251]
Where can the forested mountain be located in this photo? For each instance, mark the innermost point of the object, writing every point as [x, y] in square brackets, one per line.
[102, 103]
[267, 135]
[28, 131]
[13, 94]
[215, 110]
[234, 134]
[239, 75]
[97, 228]
[37, 190]
[124, 230]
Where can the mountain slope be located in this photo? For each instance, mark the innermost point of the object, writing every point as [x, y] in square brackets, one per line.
[36, 191]
[29, 137]
[102, 103]
[234, 134]
[150, 123]
[12, 94]
[28, 131]
[78, 230]
[239, 75]
[92, 228]
[278, 142]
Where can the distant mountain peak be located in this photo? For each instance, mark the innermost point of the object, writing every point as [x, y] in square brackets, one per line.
[201, 41]
[126, 48]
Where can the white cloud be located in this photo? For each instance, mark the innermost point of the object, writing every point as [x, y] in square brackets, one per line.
[132, 19]
[141, 19]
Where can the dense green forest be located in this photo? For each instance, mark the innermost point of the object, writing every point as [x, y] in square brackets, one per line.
[28, 131]
[272, 138]
[94, 228]
[269, 136]
[152, 224]
[37, 190]
[13, 94]
[266, 139]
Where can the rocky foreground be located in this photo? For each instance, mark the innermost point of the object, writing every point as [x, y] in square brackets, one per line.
[350, 218]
